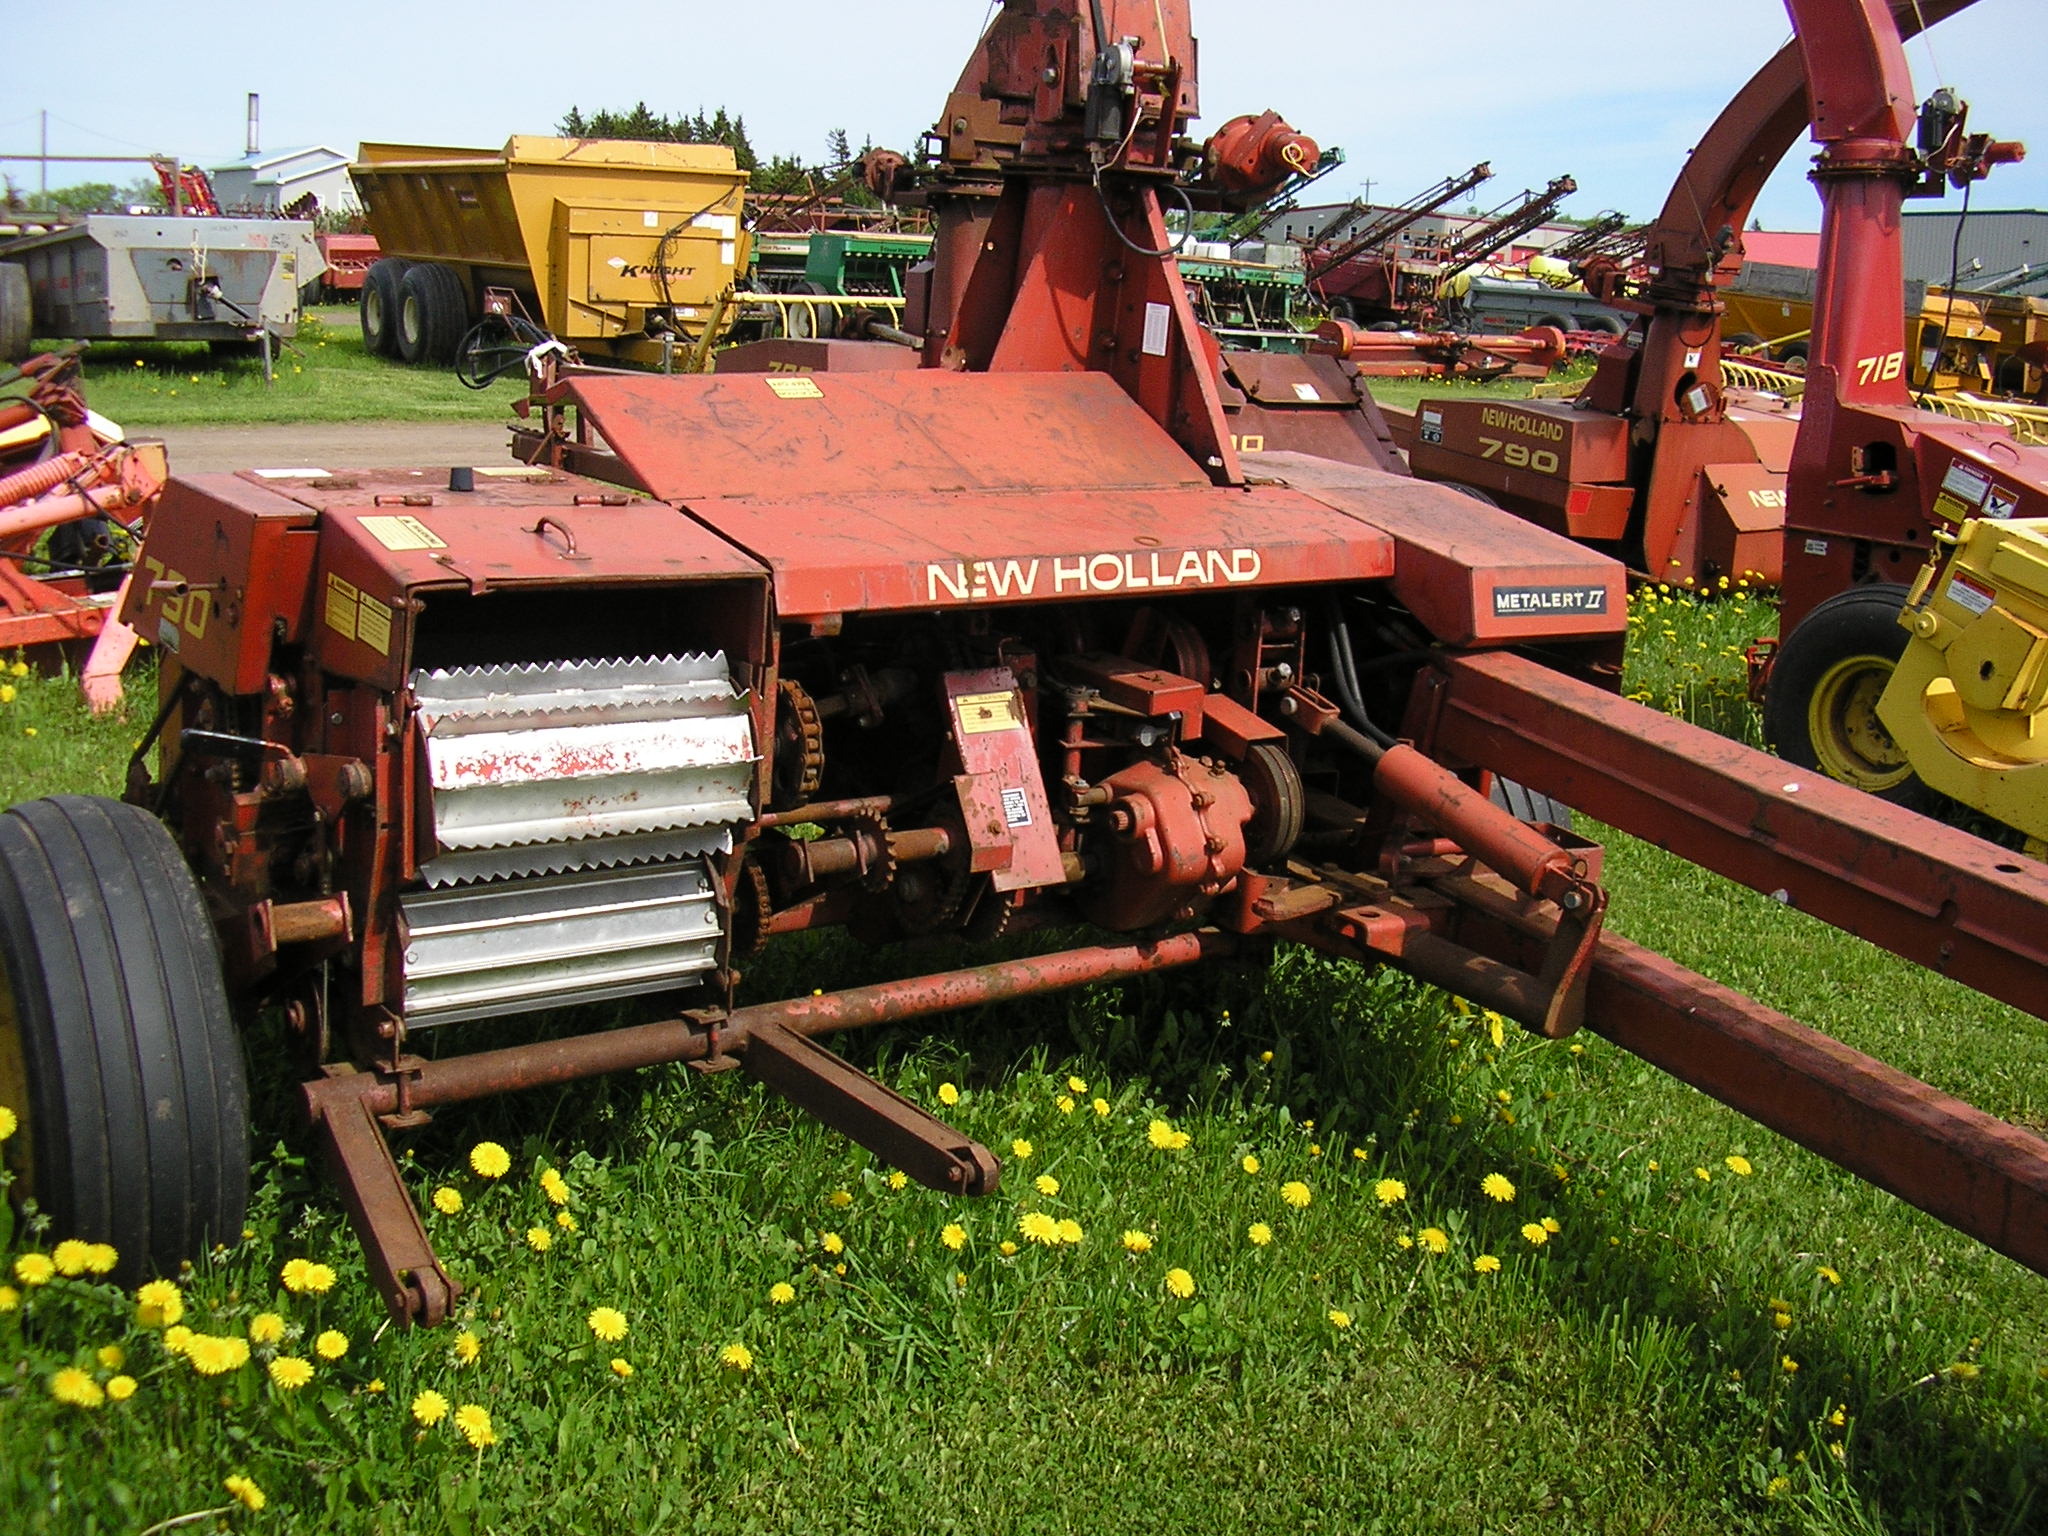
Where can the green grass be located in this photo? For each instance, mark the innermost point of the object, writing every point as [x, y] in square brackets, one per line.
[144, 385]
[1628, 1374]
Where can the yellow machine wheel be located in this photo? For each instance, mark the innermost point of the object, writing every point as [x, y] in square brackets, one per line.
[1820, 709]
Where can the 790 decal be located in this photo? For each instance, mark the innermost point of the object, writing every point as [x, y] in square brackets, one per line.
[189, 610]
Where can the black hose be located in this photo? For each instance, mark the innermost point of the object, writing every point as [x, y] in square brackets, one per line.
[481, 361]
[1344, 676]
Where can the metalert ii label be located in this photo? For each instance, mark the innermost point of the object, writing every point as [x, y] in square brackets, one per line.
[1516, 602]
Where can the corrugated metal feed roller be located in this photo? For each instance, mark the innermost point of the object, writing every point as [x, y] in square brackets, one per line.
[575, 804]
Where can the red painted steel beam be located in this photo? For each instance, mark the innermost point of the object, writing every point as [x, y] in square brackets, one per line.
[484, 1074]
[1934, 895]
[1967, 1168]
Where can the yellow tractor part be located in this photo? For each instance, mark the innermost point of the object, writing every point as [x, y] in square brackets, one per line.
[1968, 701]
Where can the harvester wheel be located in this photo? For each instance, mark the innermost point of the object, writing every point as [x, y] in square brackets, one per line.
[1526, 804]
[1820, 710]
[378, 305]
[1557, 322]
[1611, 325]
[433, 312]
[16, 312]
[118, 1053]
[1742, 341]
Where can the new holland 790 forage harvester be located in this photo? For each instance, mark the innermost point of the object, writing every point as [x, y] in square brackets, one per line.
[1018, 636]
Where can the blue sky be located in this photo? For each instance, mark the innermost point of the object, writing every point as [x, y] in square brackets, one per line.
[1612, 91]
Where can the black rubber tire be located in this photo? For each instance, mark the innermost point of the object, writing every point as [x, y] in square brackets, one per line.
[1475, 492]
[1384, 325]
[803, 323]
[1821, 699]
[1612, 325]
[1341, 309]
[377, 305]
[17, 312]
[1525, 804]
[1794, 351]
[1561, 322]
[433, 314]
[1742, 341]
[118, 1051]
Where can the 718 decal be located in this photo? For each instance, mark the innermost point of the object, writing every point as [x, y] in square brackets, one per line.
[1880, 370]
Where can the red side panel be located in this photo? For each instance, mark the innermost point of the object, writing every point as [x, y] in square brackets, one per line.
[1473, 573]
[692, 437]
[876, 553]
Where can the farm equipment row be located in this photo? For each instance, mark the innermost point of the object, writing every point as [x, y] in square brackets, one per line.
[1024, 636]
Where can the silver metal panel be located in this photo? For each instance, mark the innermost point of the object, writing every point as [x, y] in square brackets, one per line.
[515, 945]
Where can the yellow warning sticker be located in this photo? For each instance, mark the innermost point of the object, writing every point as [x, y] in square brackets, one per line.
[373, 624]
[981, 712]
[396, 533]
[786, 387]
[341, 606]
[1950, 507]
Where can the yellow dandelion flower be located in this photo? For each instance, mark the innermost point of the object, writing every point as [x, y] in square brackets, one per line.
[898, 1179]
[265, 1328]
[111, 1356]
[1180, 1283]
[304, 1277]
[960, 1279]
[375, 1384]
[1069, 1230]
[69, 1257]
[467, 1347]
[1497, 1187]
[623, 1369]
[1339, 1319]
[290, 1372]
[1135, 1241]
[953, 1235]
[1703, 1176]
[1738, 1165]
[120, 1388]
[948, 1094]
[1963, 1370]
[1039, 1227]
[1101, 1108]
[243, 1488]
[1250, 1164]
[539, 1239]
[1020, 1149]
[1359, 1153]
[475, 1426]
[1259, 1233]
[1552, 1225]
[1046, 1184]
[1064, 1104]
[1485, 1264]
[10, 1298]
[781, 1293]
[331, 1345]
[554, 1186]
[1007, 1249]
[1496, 1028]
[1390, 1191]
[214, 1356]
[1076, 1085]
[736, 1357]
[1832, 1276]
[1777, 1487]
[832, 1243]
[1296, 1194]
[1839, 1417]
[1160, 1134]
[565, 1221]
[1434, 1239]
[1404, 1241]
[1265, 1058]
[76, 1387]
[608, 1323]
[447, 1200]
[176, 1338]
[430, 1407]
[100, 1258]
[1788, 1365]
[1534, 1234]
[488, 1160]
[34, 1269]
[840, 1199]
